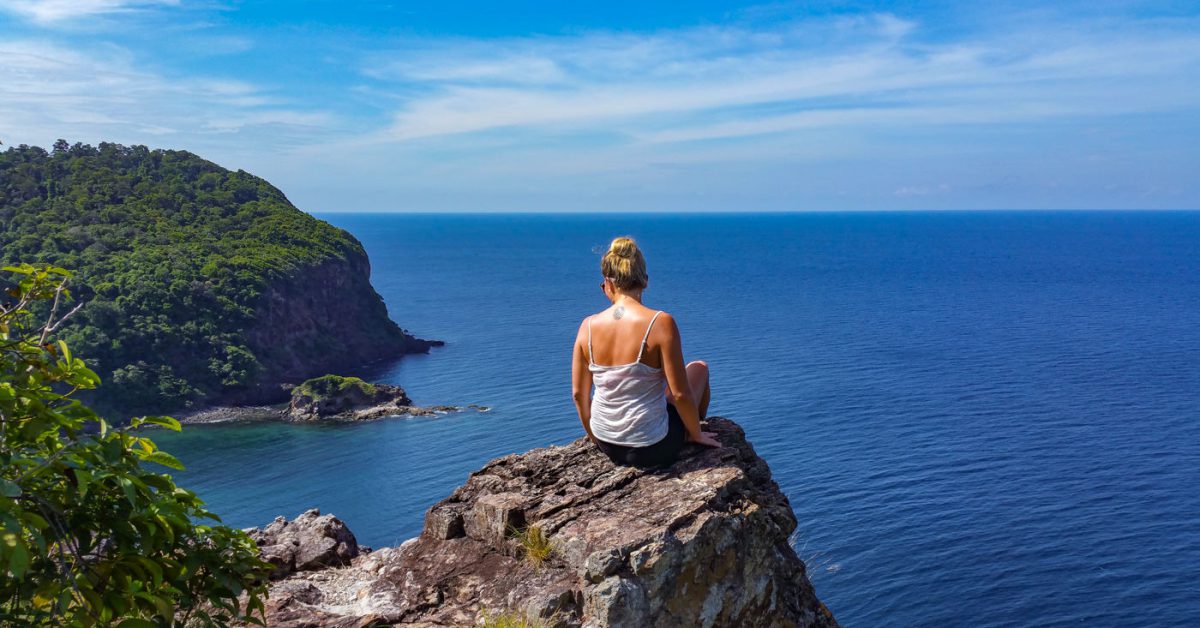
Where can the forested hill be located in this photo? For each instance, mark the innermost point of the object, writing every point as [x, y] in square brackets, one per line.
[200, 284]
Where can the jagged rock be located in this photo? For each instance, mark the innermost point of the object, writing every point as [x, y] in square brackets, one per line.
[311, 541]
[702, 543]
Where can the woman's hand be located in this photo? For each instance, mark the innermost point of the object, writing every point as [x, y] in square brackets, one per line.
[708, 439]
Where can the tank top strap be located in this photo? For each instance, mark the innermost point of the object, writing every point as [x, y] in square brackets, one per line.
[647, 336]
[590, 360]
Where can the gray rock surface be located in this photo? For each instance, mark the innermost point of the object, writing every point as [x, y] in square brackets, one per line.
[309, 542]
[702, 543]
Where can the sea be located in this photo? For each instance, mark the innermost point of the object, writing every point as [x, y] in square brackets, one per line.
[980, 418]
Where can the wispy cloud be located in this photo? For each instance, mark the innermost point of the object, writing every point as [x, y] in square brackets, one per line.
[730, 82]
[52, 11]
[49, 91]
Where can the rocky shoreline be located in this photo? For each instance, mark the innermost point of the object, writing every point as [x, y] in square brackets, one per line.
[278, 412]
[329, 398]
[562, 537]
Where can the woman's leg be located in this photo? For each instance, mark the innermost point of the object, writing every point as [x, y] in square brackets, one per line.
[697, 374]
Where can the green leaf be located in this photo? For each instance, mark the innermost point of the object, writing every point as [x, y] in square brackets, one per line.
[9, 488]
[165, 459]
[127, 488]
[163, 421]
[153, 567]
[18, 555]
[35, 521]
[83, 479]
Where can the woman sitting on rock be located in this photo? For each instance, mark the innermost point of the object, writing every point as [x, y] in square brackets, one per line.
[647, 404]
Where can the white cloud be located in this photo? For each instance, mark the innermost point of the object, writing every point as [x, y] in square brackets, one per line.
[51, 11]
[728, 82]
[49, 91]
[516, 70]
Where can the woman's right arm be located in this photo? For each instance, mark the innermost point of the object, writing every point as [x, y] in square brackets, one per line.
[581, 381]
[677, 381]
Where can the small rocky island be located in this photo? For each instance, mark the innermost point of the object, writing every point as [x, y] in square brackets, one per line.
[336, 398]
[562, 537]
[330, 398]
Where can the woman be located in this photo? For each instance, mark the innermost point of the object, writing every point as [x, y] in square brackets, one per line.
[647, 403]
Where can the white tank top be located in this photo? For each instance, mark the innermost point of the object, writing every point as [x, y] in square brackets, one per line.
[629, 406]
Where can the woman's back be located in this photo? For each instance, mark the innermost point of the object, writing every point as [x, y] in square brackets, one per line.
[632, 365]
[629, 406]
[617, 334]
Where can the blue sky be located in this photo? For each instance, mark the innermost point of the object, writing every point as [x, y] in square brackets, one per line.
[631, 106]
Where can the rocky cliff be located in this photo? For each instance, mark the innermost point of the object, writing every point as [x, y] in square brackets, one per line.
[562, 537]
[325, 318]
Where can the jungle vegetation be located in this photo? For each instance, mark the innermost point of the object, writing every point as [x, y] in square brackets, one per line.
[170, 253]
[93, 530]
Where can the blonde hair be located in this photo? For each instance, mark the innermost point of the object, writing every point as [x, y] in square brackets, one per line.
[624, 264]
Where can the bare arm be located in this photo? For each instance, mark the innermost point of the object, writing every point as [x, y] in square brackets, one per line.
[581, 381]
[677, 381]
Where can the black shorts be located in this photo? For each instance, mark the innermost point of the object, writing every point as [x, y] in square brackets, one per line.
[660, 454]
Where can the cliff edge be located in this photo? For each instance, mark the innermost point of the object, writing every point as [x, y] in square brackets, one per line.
[562, 537]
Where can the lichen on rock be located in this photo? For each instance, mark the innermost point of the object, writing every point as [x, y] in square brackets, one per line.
[701, 543]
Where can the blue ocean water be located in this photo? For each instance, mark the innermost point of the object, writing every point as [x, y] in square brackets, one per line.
[981, 419]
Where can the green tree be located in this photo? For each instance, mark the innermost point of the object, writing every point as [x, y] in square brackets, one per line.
[92, 531]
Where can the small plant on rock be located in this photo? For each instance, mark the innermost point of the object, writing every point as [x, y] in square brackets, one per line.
[536, 546]
[510, 619]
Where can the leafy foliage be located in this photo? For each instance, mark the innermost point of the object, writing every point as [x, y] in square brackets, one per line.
[329, 385]
[173, 255]
[90, 533]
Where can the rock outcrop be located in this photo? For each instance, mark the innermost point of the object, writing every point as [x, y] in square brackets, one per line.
[345, 398]
[337, 398]
[562, 537]
[309, 542]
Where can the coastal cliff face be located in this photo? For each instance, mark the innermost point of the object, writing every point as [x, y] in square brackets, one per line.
[562, 537]
[325, 318]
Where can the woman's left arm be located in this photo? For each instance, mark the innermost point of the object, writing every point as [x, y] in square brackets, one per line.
[581, 381]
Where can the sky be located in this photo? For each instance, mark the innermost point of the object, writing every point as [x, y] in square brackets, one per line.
[584, 106]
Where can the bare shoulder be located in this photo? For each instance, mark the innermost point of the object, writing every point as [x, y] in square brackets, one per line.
[583, 327]
[665, 327]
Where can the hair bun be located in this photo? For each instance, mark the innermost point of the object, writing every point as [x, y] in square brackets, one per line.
[624, 264]
[623, 247]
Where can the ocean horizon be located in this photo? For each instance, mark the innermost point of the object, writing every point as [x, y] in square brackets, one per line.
[981, 418]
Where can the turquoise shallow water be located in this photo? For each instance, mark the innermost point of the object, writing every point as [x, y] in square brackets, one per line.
[981, 419]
